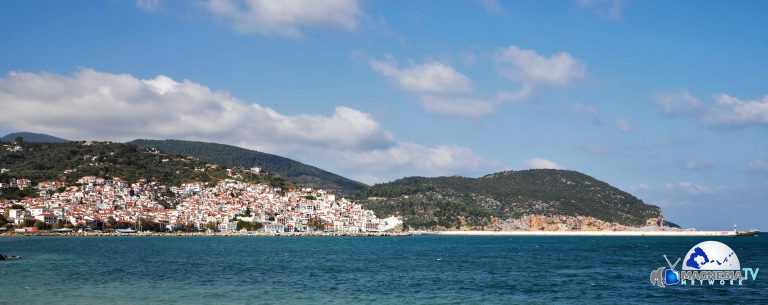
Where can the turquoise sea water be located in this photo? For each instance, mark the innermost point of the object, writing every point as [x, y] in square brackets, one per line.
[361, 270]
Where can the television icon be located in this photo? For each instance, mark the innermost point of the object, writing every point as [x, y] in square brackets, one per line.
[671, 277]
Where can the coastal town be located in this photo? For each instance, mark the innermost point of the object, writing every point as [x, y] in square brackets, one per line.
[98, 204]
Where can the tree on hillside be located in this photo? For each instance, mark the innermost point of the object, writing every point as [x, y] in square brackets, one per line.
[316, 223]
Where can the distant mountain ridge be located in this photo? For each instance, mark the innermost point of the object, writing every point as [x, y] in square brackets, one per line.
[231, 156]
[460, 202]
[32, 137]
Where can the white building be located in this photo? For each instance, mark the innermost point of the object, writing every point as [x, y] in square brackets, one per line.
[274, 228]
[47, 218]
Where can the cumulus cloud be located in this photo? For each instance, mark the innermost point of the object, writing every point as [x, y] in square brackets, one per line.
[725, 110]
[150, 5]
[89, 104]
[439, 88]
[732, 111]
[541, 163]
[688, 187]
[757, 166]
[531, 68]
[286, 17]
[491, 6]
[696, 164]
[430, 77]
[623, 125]
[640, 187]
[443, 90]
[608, 9]
[679, 103]
[687, 202]
[426, 159]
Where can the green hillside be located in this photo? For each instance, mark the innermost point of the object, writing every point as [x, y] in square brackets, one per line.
[452, 202]
[72, 160]
[228, 155]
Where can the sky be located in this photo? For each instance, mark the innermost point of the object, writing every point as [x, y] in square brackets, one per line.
[667, 100]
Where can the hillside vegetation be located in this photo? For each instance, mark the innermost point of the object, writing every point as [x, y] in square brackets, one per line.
[70, 161]
[423, 203]
[231, 156]
[460, 202]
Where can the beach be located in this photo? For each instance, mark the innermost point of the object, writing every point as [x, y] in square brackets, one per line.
[669, 233]
[201, 234]
[585, 233]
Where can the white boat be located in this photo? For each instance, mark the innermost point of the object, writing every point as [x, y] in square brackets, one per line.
[125, 231]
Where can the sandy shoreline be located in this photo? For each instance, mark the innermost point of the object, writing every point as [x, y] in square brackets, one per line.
[582, 233]
[397, 234]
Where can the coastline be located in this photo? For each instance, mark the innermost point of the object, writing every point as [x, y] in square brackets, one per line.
[232, 234]
[395, 234]
[585, 233]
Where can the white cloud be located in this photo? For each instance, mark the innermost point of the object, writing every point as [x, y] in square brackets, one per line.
[608, 9]
[726, 111]
[757, 166]
[491, 6]
[541, 163]
[677, 103]
[286, 17]
[444, 158]
[150, 5]
[89, 104]
[521, 94]
[688, 187]
[438, 88]
[731, 111]
[696, 164]
[637, 188]
[529, 67]
[623, 125]
[430, 77]
[443, 90]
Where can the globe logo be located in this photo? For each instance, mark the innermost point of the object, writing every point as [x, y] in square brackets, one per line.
[711, 255]
[707, 263]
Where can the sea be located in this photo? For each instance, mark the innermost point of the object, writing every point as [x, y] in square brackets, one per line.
[422, 269]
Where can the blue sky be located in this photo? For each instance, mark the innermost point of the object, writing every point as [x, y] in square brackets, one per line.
[666, 100]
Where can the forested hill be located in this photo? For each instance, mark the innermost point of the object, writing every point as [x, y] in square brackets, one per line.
[72, 160]
[32, 137]
[452, 202]
[230, 156]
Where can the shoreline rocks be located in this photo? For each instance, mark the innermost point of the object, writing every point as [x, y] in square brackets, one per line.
[259, 234]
